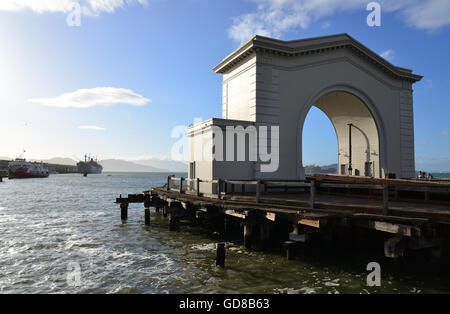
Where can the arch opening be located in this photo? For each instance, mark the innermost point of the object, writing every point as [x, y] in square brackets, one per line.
[358, 142]
[319, 140]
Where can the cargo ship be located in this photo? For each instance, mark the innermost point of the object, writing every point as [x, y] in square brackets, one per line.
[21, 169]
[89, 165]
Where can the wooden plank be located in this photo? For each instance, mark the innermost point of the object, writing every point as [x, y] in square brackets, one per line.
[310, 222]
[233, 213]
[351, 186]
[271, 216]
[388, 227]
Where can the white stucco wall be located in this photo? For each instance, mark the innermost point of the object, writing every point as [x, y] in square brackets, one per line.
[238, 91]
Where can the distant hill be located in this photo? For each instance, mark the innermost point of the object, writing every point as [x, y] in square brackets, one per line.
[171, 165]
[329, 169]
[117, 165]
[61, 161]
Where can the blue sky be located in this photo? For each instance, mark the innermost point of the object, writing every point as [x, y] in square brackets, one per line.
[151, 63]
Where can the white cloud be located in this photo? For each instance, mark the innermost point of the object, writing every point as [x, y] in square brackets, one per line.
[88, 7]
[429, 83]
[100, 96]
[388, 54]
[91, 127]
[429, 14]
[275, 17]
[445, 133]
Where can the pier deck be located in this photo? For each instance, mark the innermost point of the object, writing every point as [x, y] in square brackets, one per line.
[415, 214]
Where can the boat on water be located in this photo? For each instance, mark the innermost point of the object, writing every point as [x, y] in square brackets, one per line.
[89, 165]
[21, 169]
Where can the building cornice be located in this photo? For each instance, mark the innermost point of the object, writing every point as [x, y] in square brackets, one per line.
[312, 46]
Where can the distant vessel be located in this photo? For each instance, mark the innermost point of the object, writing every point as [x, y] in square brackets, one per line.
[89, 165]
[21, 169]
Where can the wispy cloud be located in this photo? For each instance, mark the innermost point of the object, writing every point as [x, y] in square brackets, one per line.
[275, 17]
[88, 7]
[429, 83]
[388, 54]
[91, 127]
[444, 133]
[100, 96]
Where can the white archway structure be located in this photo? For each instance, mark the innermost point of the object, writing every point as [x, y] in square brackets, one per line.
[274, 83]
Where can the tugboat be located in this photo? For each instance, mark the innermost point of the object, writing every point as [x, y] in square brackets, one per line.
[89, 165]
[22, 169]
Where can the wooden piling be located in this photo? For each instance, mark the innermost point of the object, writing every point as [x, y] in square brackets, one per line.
[198, 186]
[124, 211]
[248, 230]
[147, 205]
[312, 193]
[219, 189]
[258, 193]
[147, 216]
[220, 255]
[263, 237]
[181, 185]
[385, 198]
[289, 246]
[172, 222]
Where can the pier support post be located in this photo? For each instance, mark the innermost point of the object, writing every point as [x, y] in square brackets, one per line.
[173, 219]
[147, 213]
[181, 185]
[312, 193]
[220, 255]
[385, 198]
[258, 192]
[165, 210]
[219, 189]
[147, 216]
[248, 232]
[289, 246]
[124, 211]
[264, 236]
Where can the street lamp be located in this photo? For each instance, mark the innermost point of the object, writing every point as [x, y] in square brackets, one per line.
[350, 148]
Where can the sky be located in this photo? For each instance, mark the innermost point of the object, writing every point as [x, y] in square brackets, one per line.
[117, 84]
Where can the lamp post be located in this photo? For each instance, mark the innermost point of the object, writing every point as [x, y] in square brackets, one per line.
[350, 148]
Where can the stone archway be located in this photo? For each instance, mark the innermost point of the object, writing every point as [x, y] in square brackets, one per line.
[356, 125]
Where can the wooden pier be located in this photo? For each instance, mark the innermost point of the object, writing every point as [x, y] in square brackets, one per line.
[412, 214]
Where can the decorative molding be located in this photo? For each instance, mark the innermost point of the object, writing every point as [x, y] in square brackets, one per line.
[313, 46]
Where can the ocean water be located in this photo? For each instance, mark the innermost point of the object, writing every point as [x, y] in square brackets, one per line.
[63, 234]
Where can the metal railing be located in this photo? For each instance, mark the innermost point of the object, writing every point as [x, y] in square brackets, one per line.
[183, 185]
